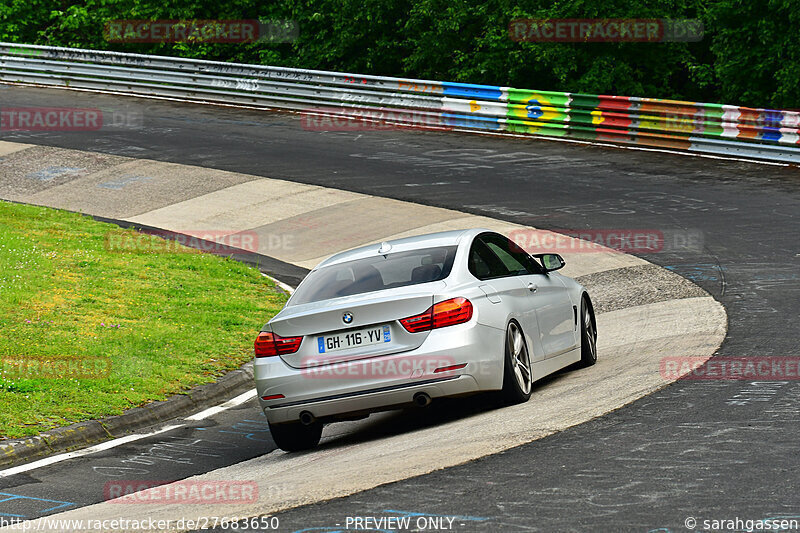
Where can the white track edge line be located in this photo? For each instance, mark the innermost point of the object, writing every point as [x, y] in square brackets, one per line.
[280, 284]
[86, 451]
[233, 402]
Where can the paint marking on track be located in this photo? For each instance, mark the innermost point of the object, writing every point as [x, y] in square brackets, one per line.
[233, 402]
[86, 451]
[8, 497]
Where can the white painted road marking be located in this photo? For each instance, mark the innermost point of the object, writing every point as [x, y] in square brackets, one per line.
[211, 411]
[86, 451]
[280, 284]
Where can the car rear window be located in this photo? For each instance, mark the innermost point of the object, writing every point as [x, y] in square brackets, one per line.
[375, 274]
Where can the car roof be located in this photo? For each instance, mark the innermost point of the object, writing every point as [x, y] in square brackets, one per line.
[428, 240]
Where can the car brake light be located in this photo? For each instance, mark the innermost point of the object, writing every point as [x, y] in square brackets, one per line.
[269, 344]
[273, 397]
[449, 368]
[447, 313]
[420, 322]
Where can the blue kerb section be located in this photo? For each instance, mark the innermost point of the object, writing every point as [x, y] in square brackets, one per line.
[469, 90]
[457, 517]
[471, 121]
[6, 497]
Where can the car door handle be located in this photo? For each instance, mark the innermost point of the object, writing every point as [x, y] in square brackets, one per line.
[533, 287]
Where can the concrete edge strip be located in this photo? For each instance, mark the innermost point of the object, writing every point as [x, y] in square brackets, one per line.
[282, 465]
[86, 433]
[332, 472]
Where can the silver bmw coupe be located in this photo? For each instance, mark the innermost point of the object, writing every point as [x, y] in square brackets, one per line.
[404, 322]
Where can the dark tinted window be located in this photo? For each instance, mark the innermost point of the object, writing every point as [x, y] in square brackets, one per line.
[376, 273]
[494, 256]
[484, 264]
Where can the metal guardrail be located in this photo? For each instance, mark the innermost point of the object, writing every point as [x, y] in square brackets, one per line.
[710, 128]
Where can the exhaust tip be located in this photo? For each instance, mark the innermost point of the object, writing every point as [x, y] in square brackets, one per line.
[421, 399]
[307, 418]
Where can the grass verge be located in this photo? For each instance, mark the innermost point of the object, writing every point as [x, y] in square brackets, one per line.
[87, 331]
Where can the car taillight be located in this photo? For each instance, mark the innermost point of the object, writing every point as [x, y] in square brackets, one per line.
[273, 397]
[449, 368]
[421, 322]
[446, 313]
[451, 312]
[269, 344]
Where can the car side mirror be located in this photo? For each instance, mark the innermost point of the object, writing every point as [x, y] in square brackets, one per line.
[551, 262]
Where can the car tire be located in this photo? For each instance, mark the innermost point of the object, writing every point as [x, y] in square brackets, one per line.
[517, 372]
[295, 437]
[588, 335]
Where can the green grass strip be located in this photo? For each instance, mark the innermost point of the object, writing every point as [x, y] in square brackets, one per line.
[87, 331]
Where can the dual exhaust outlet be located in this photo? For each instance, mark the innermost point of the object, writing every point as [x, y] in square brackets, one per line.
[421, 399]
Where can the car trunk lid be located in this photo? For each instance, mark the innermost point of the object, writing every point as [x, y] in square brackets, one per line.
[351, 328]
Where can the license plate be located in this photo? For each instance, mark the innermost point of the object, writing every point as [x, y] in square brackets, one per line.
[354, 339]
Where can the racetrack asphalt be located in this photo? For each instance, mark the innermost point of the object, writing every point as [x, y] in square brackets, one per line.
[706, 449]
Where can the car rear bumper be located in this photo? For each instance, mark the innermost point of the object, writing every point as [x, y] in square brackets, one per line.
[371, 400]
[382, 382]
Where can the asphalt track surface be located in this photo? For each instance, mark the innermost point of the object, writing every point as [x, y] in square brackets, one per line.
[703, 449]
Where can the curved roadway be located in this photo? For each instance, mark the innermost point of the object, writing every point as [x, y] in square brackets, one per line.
[708, 449]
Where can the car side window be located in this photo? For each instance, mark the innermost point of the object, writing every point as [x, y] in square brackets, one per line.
[512, 256]
[530, 263]
[483, 264]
